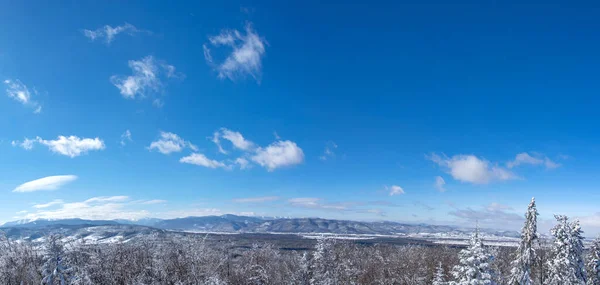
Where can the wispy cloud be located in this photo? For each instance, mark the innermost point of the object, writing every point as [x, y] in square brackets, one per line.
[108, 33]
[45, 183]
[320, 204]
[169, 143]
[237, 140]
[279, 154]
[158, 103]
[96, 208]
[121, 198]
[154, 202]
[591, 223]
[18, 91]
[245, 57]
[126, 137]
[71, 146]
[201, 160]
[256, 199]
[197, 213]
[148, 76]
[537, 159]
[423, 205]
[315, 203]
[493, 215]
[242, 163]
[394, 190]
[26, 144]
[49, 204]
[469, 168]
[495, 207]
[440, 184]
[329, 151]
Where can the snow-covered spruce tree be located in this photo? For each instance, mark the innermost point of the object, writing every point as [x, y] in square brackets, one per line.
[323, 263]
[594, 263]
[439, 278]
[526, 254]
[474, 264]
[302, 275]
[55, 269]
[566, 265]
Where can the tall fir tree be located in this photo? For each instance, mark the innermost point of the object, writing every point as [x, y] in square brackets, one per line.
[525, 257]
[439, 278]
[55, 269]
[566, 265]
[594, 263]
[323, 263]
[474, 264]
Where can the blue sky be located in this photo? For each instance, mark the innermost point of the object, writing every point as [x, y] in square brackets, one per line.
[430, 112]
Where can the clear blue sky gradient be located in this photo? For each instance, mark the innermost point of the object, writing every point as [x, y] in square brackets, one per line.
[388, 82]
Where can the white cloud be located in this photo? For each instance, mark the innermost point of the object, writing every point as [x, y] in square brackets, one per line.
[109, 33]
[549, 164]
[154, 202]
[70, 146]
[242, 162]
[256, 199]
[97, 208]
[27, 144]
[202, 160]
[537, 159]
[46, 183]
[49, 204]
[304, 202]
[194, 213]
[341, 207]
[469, 168]
[158, 103]
[126, 137]
[495, 207]
[207, 54]
[147, 78]
[316, 203]
[245, 58]
[440, 183]
[276, 155]
[423, 206]
[170, 142]
[394, 190]
[591, 223]
[236, 138]
[18, 91]
[217, 140]
[279, 154]
[107, 199]
[493, 215]
[329, 151]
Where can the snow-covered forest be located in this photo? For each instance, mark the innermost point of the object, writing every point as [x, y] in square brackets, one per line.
[193, 260]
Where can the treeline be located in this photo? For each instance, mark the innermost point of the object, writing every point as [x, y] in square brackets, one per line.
[193, 260]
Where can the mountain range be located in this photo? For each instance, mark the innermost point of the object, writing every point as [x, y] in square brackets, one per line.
[30, 229]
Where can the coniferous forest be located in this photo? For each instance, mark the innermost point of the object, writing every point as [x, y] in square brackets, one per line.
[562, 259]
